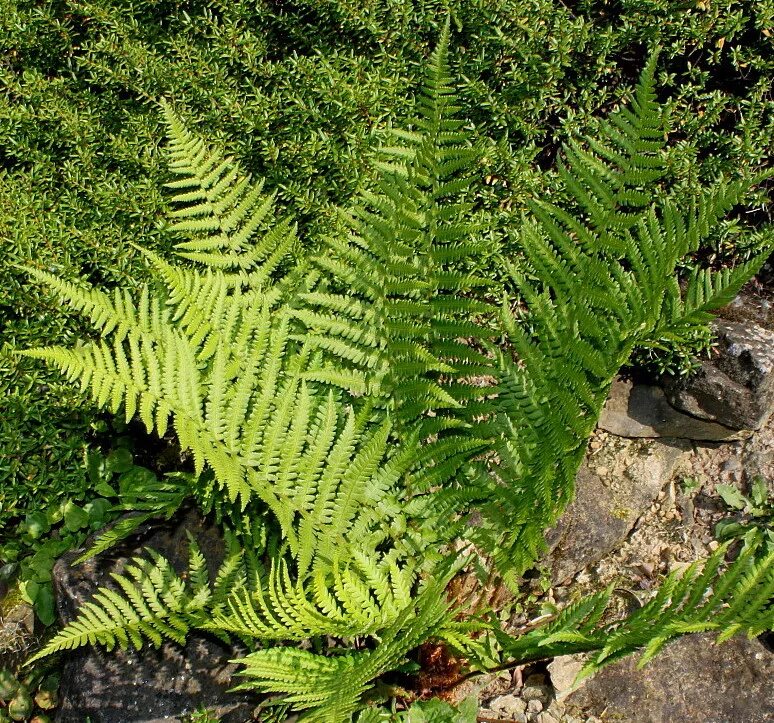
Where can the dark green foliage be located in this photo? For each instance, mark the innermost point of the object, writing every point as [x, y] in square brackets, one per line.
[750, 512]
[593, 283]
[29, 554]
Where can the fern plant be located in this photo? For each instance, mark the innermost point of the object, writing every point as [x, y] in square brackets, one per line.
[347, 409]
[593, 284]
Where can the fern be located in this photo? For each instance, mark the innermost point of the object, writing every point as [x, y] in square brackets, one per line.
[155, 605]
[345, 410]
[396, 302]
[220, 209]
[333, 686]
[606, 283]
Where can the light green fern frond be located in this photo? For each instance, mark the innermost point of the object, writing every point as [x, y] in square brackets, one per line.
[330, 689]
[154, 604]
[220, 209]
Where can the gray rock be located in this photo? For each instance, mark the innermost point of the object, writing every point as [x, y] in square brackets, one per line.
[150, 684]
[535, 692]
[613, 489]
[692, 681]
[749, 307]
[736, 387]
[641, 410]
[510, 705]
[563, 671]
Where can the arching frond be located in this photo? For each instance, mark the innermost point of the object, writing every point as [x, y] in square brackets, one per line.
[593, 284]
[726, 597]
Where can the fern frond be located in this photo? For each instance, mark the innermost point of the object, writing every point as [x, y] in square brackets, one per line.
[219, 208]
[704, 597]
[397, 290]
[330, 689]
[152, 608]
[606, 283]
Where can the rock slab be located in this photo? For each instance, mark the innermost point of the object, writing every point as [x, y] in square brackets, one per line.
[691, 681]
[736, 387]
[641, 410]
[612, 490]
[150, 684]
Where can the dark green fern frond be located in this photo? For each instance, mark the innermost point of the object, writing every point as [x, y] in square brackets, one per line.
[592, 286]
[396, 309]
[612, 176]
[728, 598]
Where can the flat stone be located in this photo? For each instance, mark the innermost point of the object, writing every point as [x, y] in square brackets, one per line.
[692, 680]
[151, 684]
[535, 692]
[508, 704]
[642, 410]
[736, 387]
[606, 507]
[563, 671]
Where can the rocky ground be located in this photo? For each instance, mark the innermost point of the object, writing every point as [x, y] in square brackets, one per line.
[647, 504]
[646, 507]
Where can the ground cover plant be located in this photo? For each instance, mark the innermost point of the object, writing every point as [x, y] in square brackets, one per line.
[370, 415]
[281, 83]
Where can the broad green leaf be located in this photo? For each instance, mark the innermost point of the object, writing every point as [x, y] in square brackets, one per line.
[732, 496]
[74, 517]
